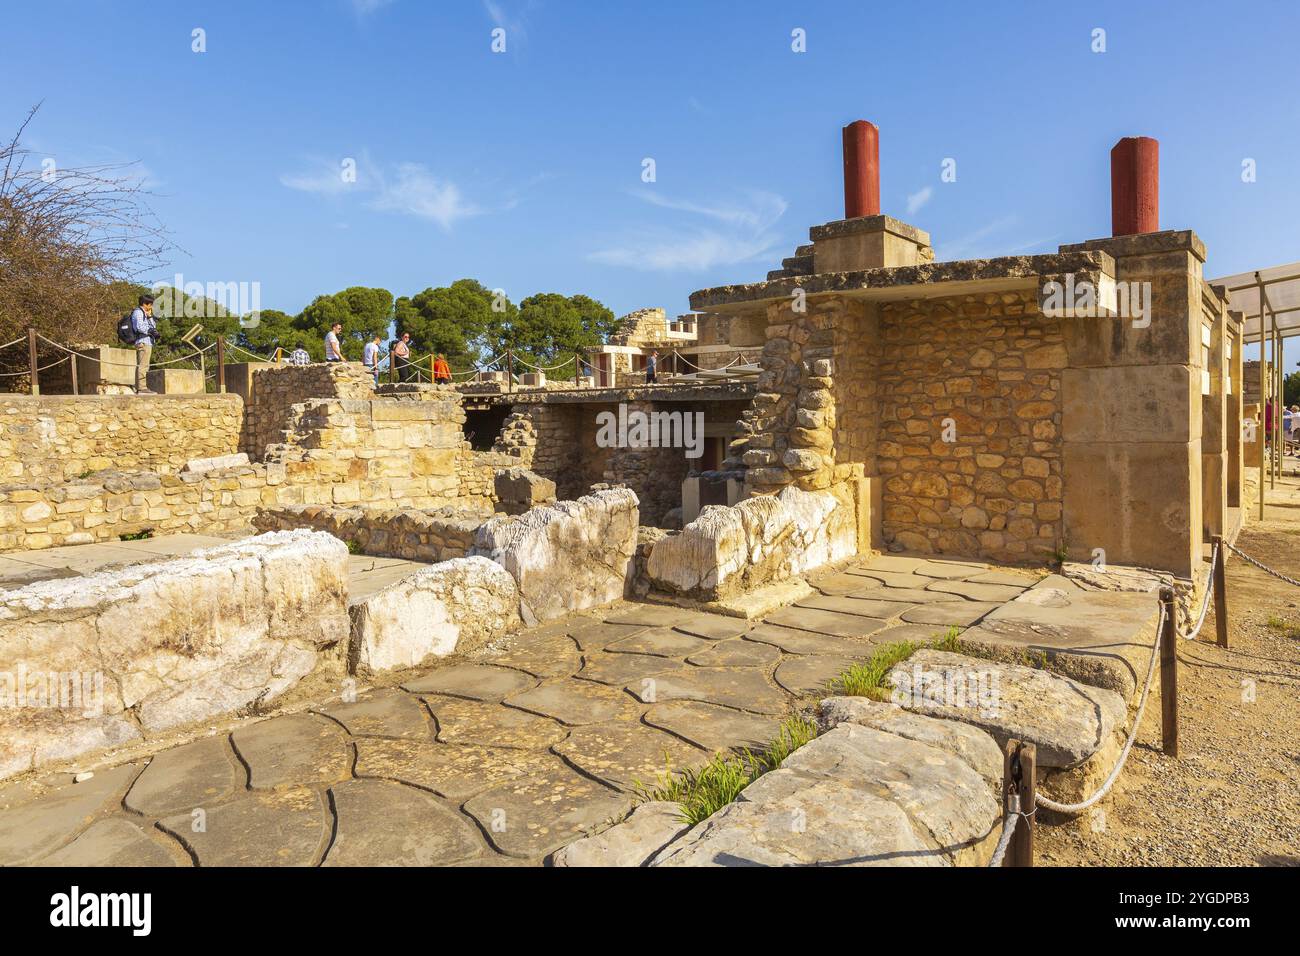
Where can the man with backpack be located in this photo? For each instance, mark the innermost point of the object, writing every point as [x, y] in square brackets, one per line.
[143, 334]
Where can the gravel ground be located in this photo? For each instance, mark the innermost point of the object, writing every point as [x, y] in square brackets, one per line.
[1232, 798]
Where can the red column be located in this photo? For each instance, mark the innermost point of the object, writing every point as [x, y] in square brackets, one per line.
[1135, 186]
[861, 170]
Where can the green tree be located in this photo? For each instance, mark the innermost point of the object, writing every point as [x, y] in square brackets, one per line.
[364, 312]
[551, 326]
[1291, 389]
[460, 321]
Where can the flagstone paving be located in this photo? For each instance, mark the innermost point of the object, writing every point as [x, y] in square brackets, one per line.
[501, 757]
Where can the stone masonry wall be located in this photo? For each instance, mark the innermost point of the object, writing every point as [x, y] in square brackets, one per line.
[277, 389]
[434, 535]
[56, 438]
[987, 369]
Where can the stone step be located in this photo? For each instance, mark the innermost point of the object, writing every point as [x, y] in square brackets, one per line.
[779, 274]
[805, 250]
[800, 265]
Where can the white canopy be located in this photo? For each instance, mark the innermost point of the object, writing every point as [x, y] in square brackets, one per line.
[1281, 295]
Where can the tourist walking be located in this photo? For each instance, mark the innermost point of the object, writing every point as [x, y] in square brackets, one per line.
[441, 371]
[370, 358]
[146, 335]
[401, 356]
[652, 368]
[333, 350]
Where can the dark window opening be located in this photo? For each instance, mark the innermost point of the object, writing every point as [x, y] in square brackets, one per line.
[483, 426]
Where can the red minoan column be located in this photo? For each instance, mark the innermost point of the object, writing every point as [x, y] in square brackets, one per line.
[1135, 186]
[861, 170]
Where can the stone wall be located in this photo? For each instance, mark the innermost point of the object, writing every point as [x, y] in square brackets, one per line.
[764, 539]
[107, 659]
[57, 438]
[274, 391]
[566, 556]
[437, 535]
[339, 452]
[969, 445]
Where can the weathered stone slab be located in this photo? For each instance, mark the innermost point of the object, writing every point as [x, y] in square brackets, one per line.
[972, 745]
[892, 579]
[620, 669]
[111, 842]
[893, 563]
[38, 826]
[810, 675]
[950, 805]
[992, 593]
[865, 607]
[456, 771]
[825, 622]
[530, 818]
[949, 570]
[715, 627]
[713, 727]
[384, 713]
[566, 556]
[626, 754]
[842, 583]
[794, 641]
[454, 605]
[1018, 579]
[736, 652]
[818, 822]
[381, 823]
[659, 641]
[1103, 638]
[1067, 721]
[962, 614]
[292, 751]
[554, 655]
[648, 829]
[597, 634]
[492, 725]
[908, 595]
[741, 687]
[198, 774]
[917, 633]
[575, 702]
[227, 626]
[650, 615]
[217, 461]
[472, 681]
[279, 828]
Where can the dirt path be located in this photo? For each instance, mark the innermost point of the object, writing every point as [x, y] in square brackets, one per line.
[1232, 798]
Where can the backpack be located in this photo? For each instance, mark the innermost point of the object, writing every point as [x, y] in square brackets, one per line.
[125, 331]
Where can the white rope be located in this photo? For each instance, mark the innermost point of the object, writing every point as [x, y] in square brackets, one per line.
[103, 361]
[14, 342]
[540, 368]
[1009, 821]
[737, 359]
[1205, 603]
[28, 371]
[1076, 808]
[1263, 567]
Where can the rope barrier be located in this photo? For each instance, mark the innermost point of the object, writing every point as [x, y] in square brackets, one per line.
[28, 371]
[1205, 604]
[738, 359]
[14, 342]
[1009, 821]
[1263, 567]
[1077, 808]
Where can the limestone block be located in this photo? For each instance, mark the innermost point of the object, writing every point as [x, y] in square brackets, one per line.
[632, 842]
[1128, 403]
[566, 556]
[195, 465]
[175, 381]
[455, 605]
[175, 640]
[1067, 721]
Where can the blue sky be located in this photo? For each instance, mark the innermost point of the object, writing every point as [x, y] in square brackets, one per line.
[524, 168]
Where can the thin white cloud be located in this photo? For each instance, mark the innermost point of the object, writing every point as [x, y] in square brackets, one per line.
[918, 199]
[514, 25]
[745, 234]
[409, 189]
[363, 8]
[414, 191]
[974, 244]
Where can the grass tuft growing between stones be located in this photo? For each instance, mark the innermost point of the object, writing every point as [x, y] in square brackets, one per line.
[867, 678]
[703, 792]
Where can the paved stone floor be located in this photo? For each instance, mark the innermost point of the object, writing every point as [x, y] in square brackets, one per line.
[501, 758]
[365, 574]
